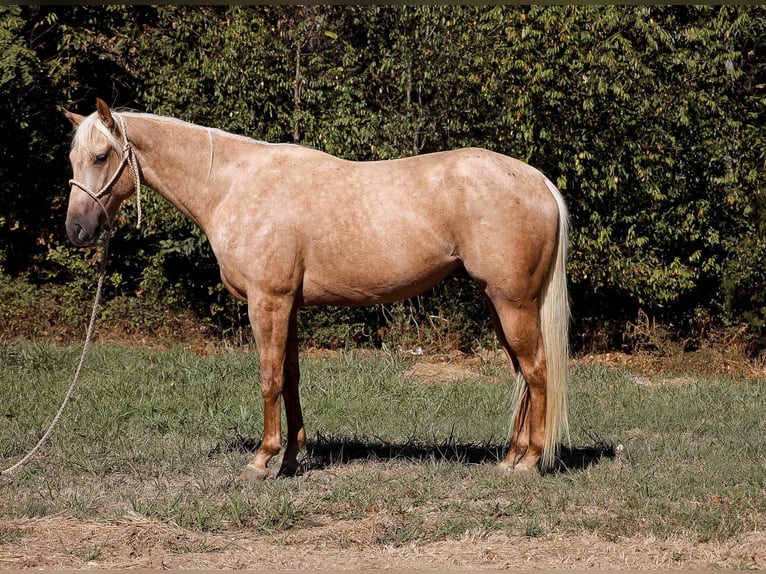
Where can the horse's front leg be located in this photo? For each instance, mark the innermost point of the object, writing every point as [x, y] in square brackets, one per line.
[270, 318]
[296, 434]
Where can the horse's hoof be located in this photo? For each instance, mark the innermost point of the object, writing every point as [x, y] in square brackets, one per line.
[517, 469]
[290, 470]
[252, 472]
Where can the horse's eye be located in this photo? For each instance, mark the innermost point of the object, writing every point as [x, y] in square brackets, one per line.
[99, 159]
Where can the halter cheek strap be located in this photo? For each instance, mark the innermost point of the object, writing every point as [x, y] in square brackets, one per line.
[128, 158]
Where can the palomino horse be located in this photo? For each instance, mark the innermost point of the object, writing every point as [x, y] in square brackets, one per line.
[292, 226]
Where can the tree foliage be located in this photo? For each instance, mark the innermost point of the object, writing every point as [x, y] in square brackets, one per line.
[649, 118]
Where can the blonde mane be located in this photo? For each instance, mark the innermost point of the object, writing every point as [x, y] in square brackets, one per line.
[86, 132]
[91, 126]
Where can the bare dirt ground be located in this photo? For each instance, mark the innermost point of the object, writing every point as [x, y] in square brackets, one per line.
[138, 542]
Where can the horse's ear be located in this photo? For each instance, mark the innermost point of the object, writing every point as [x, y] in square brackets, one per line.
[105, 114]
[75, 119]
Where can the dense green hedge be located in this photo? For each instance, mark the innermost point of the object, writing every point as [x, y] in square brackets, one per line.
[649, 118]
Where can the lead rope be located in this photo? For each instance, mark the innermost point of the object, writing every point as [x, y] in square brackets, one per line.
[130, 158]
[76, 378]
[134, 167]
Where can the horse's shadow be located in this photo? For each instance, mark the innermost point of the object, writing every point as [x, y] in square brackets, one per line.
[324, 452]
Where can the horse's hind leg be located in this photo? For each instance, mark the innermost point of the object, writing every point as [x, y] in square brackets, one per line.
[518, 329]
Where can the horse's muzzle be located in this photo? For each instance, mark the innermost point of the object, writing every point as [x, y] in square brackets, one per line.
[81, 234]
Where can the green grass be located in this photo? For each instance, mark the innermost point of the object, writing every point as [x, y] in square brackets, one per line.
[165, 434]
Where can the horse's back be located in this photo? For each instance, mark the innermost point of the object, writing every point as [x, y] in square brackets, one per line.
[459, 185]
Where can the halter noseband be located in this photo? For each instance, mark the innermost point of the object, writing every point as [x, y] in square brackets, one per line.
[128, 158]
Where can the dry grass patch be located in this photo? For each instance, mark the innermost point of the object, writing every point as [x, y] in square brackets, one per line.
[140, 542]
[442, 373]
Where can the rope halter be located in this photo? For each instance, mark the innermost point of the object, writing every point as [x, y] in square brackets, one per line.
[128, 158]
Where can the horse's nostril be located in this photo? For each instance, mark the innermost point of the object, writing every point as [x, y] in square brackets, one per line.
[83, 235]
[78, 234]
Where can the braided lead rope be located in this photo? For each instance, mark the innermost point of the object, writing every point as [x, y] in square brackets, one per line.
[76, 378]
[128, 152]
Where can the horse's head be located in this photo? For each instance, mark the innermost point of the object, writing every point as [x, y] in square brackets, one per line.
[100, 154]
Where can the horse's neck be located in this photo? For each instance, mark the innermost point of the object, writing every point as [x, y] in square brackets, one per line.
[176, 161]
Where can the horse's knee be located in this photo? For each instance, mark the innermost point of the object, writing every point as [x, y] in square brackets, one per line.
[271, 384]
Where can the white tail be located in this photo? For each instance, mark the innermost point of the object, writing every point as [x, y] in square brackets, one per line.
[554, 323]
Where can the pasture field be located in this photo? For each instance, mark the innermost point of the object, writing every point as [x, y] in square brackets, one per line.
[662, 472]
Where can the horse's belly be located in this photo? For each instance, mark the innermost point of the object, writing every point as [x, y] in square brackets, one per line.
[372, 284]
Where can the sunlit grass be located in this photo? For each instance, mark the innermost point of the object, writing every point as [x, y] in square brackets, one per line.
[165, 434]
